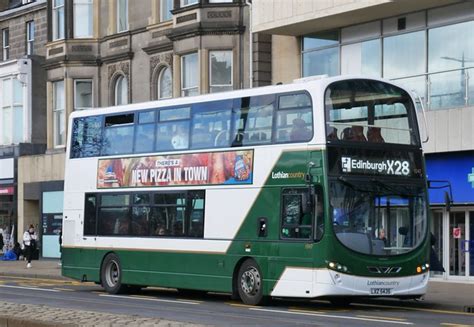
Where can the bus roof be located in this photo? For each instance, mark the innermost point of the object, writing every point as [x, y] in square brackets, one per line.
[320, 82]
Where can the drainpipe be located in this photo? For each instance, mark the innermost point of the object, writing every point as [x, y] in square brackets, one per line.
[249, 3]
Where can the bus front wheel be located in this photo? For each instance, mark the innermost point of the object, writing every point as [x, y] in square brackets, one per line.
[250, 283]
[111, 275]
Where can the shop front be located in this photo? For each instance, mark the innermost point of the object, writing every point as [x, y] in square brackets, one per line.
[453, 227]
[7, 197]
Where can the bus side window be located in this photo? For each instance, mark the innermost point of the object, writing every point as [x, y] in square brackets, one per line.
[118, 134]
[86, 137]
[145, 132]
[211, 124]
[294, 121]
[90, 215]
[319, 216]
[172, 132]
[295, 223]
[253, 120]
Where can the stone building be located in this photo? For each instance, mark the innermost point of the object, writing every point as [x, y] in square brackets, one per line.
[23, 31]
[102, 53]
[426, 45]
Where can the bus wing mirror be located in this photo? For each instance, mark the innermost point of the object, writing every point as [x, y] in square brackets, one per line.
[448, 195]
[447, 201]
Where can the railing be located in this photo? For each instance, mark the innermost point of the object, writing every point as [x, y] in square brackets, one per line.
[443, 89]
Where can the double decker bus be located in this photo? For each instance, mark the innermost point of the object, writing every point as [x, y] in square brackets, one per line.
[311, 189]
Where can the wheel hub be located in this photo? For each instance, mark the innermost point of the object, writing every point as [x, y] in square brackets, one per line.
[250, 281]
[112, 274]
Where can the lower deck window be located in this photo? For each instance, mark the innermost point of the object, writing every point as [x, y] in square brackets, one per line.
[158, 214]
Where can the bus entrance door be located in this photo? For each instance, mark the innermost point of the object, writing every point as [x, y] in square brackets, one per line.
[292, 263]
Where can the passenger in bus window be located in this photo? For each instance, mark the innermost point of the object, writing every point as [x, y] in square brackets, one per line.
[299, 131]
[180, 140]
[383, 237]
[161, 231]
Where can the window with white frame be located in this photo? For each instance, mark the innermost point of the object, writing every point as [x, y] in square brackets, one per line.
[189, 74]
[82, 94]
[11, 115]
[121, 90]
[165, 10]
[6, 43]
[165, 83]
[220, 71]
[185, 3]
[30, 37]
[58, 19]
[122, 15]
[83, 12]
[59, 116]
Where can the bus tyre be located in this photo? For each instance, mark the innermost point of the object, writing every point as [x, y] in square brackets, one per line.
[250, 283]
[111, 275]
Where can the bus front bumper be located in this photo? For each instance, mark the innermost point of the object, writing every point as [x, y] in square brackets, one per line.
[309, 283]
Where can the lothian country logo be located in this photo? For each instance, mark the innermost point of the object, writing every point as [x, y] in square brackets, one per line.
[470, 178]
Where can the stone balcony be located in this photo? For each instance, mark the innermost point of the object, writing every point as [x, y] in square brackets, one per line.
[83, 51]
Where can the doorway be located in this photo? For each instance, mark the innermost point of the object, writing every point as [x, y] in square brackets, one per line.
[457, 235]
[454, 234]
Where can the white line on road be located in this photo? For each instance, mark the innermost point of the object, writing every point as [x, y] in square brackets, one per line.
[149, 299]
[332, 316]
[30, 288]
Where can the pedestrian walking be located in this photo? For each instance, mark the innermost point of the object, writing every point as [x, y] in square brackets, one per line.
[60, 248]
[29, 241]
[1, 241]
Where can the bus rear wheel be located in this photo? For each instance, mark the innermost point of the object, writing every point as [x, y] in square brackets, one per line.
[111, 275]
[250, 283]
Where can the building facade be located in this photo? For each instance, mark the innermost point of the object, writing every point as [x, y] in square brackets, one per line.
[102, 53]
[23, 29]
[426, 45]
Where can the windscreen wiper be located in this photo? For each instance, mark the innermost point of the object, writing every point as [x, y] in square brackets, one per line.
[400, 190]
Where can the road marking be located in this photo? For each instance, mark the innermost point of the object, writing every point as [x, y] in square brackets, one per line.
[29, 288]
[148, 297]
[240, 305]
[137, 297]
[413, 309]
[380, 317]
[454, 325]
[64, 289]
[305, 311]
[64, 281]
[333, 316]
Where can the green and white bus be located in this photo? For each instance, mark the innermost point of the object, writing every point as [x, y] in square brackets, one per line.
[312, 189]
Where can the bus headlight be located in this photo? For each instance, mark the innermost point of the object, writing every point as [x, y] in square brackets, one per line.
[422, 268]
[337, 266]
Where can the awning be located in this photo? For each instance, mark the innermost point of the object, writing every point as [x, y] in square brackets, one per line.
[458, 169]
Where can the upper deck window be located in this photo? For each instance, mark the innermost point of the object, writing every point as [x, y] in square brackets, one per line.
[118, 134]
[369, 111]
[294, 118]
[246, 121]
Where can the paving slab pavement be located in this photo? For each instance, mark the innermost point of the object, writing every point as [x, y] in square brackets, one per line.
[28, 315]
[49, 269]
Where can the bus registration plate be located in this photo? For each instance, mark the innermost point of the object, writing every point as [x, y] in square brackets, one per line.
[380, 291]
